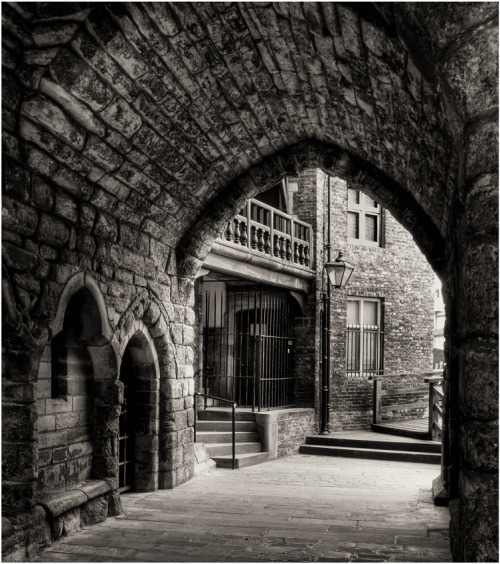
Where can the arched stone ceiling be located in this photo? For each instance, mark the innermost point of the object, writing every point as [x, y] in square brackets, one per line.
[159, 112]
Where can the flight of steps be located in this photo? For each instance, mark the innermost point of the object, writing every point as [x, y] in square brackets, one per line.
[406, 450]
[214, 430]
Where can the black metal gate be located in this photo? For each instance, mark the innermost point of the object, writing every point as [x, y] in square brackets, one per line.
[126, 434]
[248, 345]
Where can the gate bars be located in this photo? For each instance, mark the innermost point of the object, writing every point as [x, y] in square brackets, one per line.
[248, 345]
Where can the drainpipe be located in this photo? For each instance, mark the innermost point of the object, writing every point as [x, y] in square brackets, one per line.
[326, 337]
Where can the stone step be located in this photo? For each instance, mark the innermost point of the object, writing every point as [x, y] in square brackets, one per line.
[205, 426]
[368, 453]
[242, 460]
[428, 446]
[220, 449]
[226, 437]
[224, 415]
[394, 430]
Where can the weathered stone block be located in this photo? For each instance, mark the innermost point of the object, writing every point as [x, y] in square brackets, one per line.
[18, 393]
[481, 149]
[53, 118]
[52, 231]
[18, 422]
[66, 207]
[478, 516]
[94, 511]
[114, 505]
[81, 81]
[73, 183]
[18, 217]
[66, 524]
[102, 154]
[19, 462]
[121, 116]
[479, 445]
[473, 73]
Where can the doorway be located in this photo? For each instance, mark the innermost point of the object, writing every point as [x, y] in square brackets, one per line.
[126, 433]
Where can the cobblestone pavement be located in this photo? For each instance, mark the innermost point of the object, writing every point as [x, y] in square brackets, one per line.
[297, 509]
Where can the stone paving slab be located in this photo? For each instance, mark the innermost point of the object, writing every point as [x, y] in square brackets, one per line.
[298, 509]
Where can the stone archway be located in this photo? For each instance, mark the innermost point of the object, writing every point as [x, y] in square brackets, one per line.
[127, 125]
[139, 359]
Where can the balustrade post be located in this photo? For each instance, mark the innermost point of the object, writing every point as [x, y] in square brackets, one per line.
[236, 231]
[301, 254]
[255, 239]
[244, 234]
[267, 243]
[230, 231]
[276, 247]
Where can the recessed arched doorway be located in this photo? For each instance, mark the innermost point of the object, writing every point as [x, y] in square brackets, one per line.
[137, 468]
[126, 426]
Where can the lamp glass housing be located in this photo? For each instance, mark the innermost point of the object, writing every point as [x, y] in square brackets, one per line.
[339, 272]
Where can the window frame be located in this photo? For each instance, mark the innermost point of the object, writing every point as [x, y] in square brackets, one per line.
[362, 209]
[361, 372]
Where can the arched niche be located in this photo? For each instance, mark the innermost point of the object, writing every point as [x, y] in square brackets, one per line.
[75, 371]
[139, 415]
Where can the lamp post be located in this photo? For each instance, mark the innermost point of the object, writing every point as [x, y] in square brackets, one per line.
[338, 274]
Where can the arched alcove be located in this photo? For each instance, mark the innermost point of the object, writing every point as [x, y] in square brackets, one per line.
[74, 364]
[139, 414]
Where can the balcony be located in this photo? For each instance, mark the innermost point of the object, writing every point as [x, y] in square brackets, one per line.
[271, 232]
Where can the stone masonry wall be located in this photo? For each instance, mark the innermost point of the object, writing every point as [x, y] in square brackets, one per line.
[64, 427]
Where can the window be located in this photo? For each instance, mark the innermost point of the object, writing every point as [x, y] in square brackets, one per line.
[364, 337]
[363, 219]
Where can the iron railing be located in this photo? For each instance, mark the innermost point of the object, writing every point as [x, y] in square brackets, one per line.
[272, 232]
[248, 346]
[364, 350]
[233, 406]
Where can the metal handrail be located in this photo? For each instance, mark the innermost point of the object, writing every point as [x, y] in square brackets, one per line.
[233, 405]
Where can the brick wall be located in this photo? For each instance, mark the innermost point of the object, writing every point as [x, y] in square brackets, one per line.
[405, 396]
[293, 427]
[397, 273]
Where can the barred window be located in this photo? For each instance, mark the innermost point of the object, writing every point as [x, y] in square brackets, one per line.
[364, 337]
[363, 219]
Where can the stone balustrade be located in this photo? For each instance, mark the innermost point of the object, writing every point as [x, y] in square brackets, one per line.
[271, 232]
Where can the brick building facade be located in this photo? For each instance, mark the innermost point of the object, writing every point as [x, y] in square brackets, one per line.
[396, 274]
[392, 275]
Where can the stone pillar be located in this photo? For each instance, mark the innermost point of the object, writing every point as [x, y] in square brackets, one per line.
[19, 431]
[472, 71]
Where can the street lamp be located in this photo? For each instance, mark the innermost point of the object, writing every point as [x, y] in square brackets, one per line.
[338, 273]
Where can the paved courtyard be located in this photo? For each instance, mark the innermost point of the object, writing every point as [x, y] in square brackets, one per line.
[297, 509]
